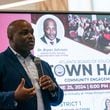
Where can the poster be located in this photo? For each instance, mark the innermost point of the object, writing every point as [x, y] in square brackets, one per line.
[79, 58]
[80, 63]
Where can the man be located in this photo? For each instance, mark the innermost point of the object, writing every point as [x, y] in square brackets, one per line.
[50, 32]
[20, 82]
[107, 104]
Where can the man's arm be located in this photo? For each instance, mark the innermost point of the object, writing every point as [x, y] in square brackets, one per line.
[7, 100]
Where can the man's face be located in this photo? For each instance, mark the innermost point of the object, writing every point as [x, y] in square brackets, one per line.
[23, 39]
[108, 103]
[50, 30]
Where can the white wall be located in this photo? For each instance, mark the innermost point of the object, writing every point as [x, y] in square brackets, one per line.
[79, 5]
[101, 5]
[89, 5]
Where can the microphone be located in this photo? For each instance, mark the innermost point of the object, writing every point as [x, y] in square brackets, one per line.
[40, 104]
[38, 64]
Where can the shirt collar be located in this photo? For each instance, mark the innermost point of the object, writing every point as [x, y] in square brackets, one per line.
[13, 50]
[48, 40]
[17, 54]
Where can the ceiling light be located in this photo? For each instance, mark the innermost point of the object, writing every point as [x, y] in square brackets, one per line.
[21, 3]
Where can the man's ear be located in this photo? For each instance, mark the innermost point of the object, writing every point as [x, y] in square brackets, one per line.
[10, 33]
[10, 37]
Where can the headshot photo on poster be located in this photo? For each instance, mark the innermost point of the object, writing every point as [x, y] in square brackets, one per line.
[107, 104]
[49, 30]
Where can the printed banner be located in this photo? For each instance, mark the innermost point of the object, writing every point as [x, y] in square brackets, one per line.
[80, 60]
[77, 46]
